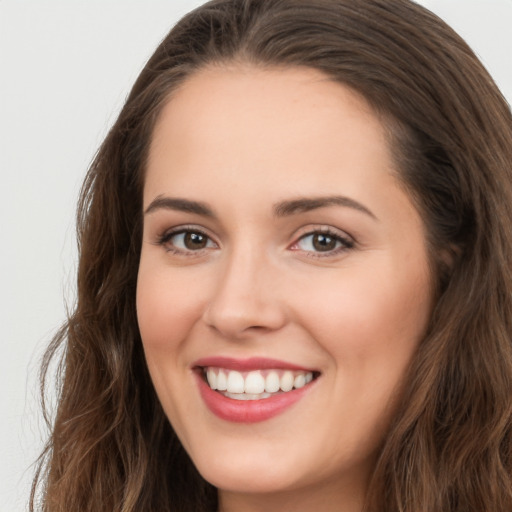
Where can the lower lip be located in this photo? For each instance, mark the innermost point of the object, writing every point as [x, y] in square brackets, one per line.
[248, 411]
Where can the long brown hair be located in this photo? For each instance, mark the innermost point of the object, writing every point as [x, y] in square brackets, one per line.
[450, 446]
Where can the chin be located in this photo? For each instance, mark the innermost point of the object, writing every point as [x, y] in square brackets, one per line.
[248, 476]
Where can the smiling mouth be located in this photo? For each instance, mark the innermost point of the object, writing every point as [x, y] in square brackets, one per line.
[256, 384]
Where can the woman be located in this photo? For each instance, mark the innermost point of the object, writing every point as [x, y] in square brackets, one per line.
[294, 287]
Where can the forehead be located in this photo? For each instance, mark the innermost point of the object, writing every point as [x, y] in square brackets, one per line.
[290, 130]
[243, 94]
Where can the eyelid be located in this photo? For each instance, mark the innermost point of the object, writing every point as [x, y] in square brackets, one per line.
[322, 228]
[164, 237]
[347, 240]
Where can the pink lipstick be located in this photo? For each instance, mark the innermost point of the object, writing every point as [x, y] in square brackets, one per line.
[251, 390]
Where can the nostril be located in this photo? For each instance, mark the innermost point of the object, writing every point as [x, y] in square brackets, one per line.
[235, 324]
[243, 304]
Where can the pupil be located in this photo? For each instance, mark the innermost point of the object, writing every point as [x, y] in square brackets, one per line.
[195, 241]
[324, 243]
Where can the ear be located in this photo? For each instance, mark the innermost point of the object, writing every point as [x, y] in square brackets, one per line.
[449, 255]
[445, 260]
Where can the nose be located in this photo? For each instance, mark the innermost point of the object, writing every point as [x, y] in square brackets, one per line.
[246, 300]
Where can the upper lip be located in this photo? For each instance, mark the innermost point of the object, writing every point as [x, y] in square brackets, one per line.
[247, 365]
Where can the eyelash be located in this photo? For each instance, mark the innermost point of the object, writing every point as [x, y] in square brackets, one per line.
[344, 243]
[166, 237]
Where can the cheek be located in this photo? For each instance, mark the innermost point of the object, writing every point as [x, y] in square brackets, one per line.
[167, 308]
[371, 323]
[166, 312]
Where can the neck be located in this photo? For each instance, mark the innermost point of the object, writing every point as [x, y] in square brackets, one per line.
[328, 497]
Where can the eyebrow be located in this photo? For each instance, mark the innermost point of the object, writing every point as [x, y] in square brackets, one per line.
[306, 204]
[179, 204]
[281, 209]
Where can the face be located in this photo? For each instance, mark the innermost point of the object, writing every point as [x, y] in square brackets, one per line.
[283, 263]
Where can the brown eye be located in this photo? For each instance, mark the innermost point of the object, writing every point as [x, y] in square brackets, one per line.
[187, 241]
[322, 242]
[194, 241]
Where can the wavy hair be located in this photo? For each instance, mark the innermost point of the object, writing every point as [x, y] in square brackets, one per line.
[449, 448]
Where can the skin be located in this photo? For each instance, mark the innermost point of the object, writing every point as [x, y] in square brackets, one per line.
[242, 140]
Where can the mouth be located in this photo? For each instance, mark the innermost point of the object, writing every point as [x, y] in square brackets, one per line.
[257, 384]
[251, 390]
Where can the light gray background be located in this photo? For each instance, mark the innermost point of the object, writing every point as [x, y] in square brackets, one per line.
[65, 69]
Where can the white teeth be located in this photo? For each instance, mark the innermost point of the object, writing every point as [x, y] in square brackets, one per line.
[300, 381]
[235, 382]
[287, 381]
[212, 378]
[222, 381]
[247, 396]
[254, 383]
[272, 382]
